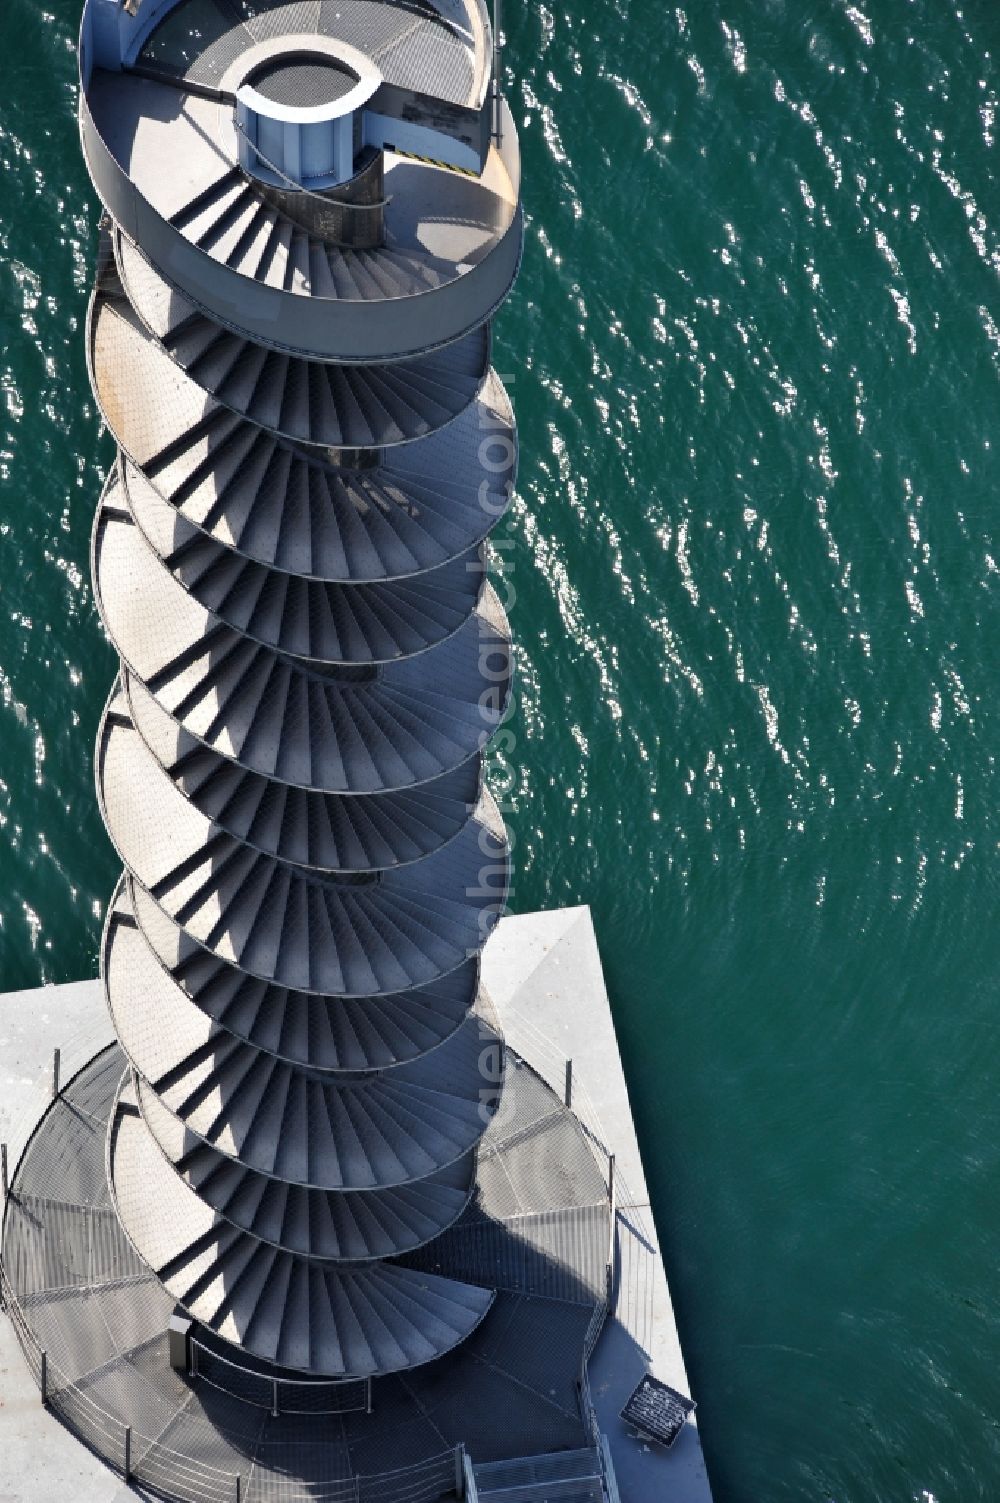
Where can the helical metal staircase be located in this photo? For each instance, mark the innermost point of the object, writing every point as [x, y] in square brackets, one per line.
[310, 1158]
[289, 557]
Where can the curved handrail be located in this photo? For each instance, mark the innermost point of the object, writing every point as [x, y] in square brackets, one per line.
[149, 14]
[147, 1459]
[327, 1395]
[341, 329]
[294, 187]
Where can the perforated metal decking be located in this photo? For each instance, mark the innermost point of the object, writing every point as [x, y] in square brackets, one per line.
[536, 1230]
[297, 1142]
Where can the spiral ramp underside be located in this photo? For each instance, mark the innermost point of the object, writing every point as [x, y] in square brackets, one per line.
[289, 557]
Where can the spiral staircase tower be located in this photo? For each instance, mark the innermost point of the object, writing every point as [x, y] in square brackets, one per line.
[312, 212]
[308, 1232]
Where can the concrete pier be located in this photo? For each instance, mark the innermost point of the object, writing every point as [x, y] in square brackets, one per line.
[544, 974]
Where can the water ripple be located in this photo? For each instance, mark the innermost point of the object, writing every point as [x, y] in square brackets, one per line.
[754, 569]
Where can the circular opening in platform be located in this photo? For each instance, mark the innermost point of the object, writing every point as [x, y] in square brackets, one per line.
[304, 82]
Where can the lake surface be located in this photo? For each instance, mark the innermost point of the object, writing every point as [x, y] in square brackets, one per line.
[755, 353]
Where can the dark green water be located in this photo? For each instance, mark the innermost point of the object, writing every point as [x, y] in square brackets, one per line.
[755, 354]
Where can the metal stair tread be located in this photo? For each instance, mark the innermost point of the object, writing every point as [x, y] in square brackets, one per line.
[421, 715]
[420, 508]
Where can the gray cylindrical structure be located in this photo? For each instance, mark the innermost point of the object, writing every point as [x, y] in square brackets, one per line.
[290, 559]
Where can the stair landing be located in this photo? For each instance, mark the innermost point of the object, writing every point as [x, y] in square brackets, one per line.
[543, 972]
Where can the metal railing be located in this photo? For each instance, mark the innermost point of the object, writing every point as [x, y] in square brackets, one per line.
[278, 1395]
[608, 1478]
[292, 183]
[146, 1459]
[496, 129]
[139, 1457]
[631, 1219]
[79, 1047]
[557, 1071]
[333, 218]
[357, 328]
[587, 1410]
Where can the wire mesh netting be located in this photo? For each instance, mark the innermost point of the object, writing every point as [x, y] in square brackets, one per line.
[413, 44]
[92, 1318]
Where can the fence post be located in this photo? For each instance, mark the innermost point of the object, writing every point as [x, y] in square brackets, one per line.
[368, 1395]
[497, 73]
[55, 1073]
[3, 1170]
[43, 1377]
[612, 1228]
[127, 1467]
[460, 1470]
[238, 1488]
[568, 1093]
[275, 1411]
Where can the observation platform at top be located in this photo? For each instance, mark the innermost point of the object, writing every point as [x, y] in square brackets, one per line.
[226, 137]
[544, 976]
